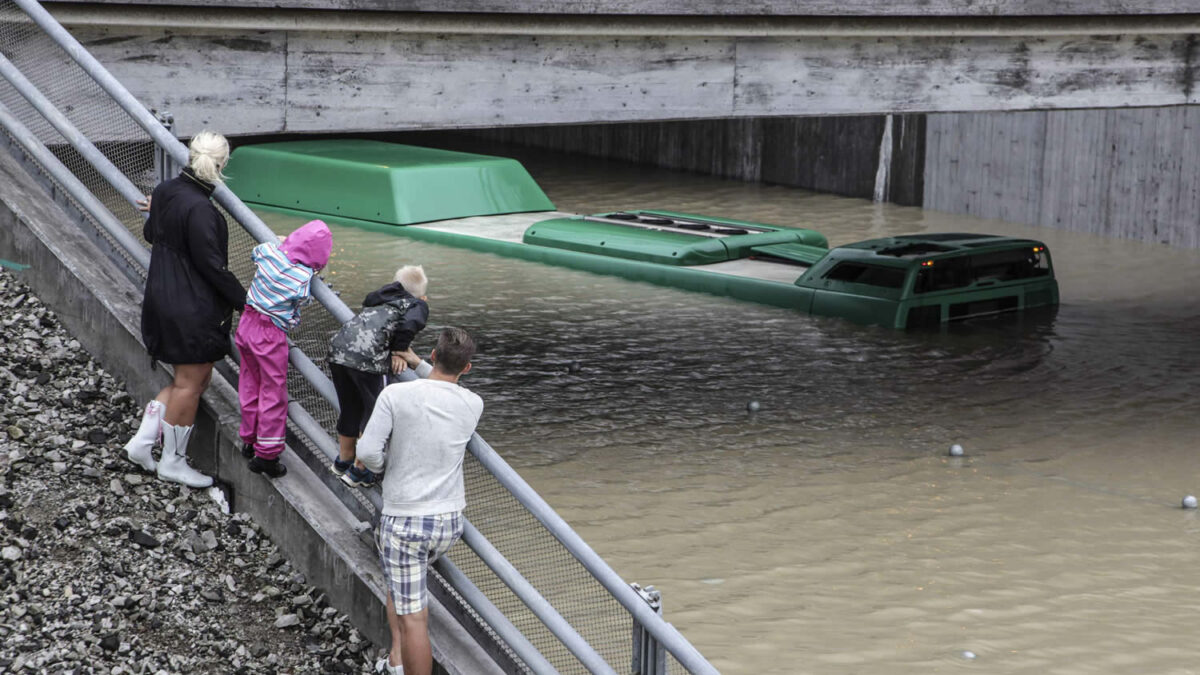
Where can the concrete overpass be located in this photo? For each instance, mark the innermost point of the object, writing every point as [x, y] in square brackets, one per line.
[271, 66]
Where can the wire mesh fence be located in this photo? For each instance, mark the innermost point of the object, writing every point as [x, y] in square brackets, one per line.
[536, 553]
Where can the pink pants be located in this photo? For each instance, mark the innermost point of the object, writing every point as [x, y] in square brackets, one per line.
[262, 383]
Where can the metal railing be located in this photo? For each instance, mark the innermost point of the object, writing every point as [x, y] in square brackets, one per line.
[554, 604]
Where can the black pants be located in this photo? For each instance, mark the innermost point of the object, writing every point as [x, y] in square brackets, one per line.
[356, 392]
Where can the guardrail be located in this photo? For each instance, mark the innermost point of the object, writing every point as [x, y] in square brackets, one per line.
[569, 649]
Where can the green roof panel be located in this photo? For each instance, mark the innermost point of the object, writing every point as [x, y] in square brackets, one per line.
[381, 182]
[592, 234]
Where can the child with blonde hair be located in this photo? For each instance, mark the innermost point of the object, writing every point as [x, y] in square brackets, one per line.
[362, 354]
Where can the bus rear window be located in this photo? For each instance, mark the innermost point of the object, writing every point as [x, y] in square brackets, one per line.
[1021, 263]
[1010, 265]
[872, 275]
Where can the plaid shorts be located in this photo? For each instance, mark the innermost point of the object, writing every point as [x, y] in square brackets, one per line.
[407, 544]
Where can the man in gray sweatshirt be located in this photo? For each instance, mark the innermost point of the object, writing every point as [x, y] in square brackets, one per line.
[420, 429]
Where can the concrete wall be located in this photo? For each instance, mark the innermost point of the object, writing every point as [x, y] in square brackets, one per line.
[305, 70]
[1132, 173]
[839, 155]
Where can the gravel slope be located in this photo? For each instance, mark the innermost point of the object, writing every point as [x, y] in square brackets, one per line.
[104, 569]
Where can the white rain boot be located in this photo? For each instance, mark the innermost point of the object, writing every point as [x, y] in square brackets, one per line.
[139, 448]
[382, 666]
[173, 466]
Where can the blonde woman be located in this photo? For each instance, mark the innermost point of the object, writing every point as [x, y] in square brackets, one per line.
[188, 305]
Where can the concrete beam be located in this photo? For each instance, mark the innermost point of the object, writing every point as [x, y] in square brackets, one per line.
[258, 72]
[918, 8]
[301, 80]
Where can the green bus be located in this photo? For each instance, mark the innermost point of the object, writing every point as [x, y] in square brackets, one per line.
[492, 204]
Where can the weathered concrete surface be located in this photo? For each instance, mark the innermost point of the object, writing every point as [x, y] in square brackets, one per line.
[721, 7]
[839, 155]
[258, 72]
[101, 307]
[1131, 173]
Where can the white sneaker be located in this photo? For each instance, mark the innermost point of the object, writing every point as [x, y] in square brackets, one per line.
[140, 448]
[173, 466]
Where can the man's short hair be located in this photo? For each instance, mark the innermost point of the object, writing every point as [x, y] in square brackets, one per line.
[412, 278]
[455, 348]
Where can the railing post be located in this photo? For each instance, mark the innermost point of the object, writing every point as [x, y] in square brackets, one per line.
[649, 657]
[165, 166]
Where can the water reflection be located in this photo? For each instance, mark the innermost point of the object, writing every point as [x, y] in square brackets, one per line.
[828, 532]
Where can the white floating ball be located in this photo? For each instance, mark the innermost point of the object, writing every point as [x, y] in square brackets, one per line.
[956, 450]
[968, 654]
[753, 406]
[1189, 502]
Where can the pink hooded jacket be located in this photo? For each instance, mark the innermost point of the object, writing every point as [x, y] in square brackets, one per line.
[284, 273]
[309, 245]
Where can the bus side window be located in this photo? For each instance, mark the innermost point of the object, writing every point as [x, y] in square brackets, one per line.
[924, 282]
[952, 273]
[943, 276]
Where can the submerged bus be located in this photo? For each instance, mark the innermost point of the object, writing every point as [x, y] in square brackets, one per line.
[492, 204]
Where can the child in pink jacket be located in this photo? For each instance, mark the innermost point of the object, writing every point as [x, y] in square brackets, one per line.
[281, 283]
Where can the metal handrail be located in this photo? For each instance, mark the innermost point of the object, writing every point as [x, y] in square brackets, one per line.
[669, 636]
[493, 616]
[76, 189]
[471, 593]
[165, 139]
[504, 570]
[664, 632]
[62, 125]
[540, 607]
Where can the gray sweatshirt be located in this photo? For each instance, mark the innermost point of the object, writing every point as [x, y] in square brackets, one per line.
[420, 429]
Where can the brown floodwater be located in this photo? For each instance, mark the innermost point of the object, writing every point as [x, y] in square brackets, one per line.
[830, 532]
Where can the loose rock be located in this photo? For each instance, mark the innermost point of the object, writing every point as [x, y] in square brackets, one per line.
[144, 540]
[287, 621]
[103, 570]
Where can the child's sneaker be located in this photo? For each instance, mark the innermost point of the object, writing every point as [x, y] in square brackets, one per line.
[340, 467]
[356, 477]
[247, 450]
[271, 467]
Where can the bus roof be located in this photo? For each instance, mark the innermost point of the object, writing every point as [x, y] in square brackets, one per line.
[381, 182]
[909, 249]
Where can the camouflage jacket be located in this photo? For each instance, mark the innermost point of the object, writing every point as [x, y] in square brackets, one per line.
[389, 320]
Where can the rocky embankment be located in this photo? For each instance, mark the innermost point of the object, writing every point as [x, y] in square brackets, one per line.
[107, 570]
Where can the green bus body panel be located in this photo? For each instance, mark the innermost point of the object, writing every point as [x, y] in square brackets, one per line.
[741, 288]
[383, 182]
[630, 243]
[801, 253]
[650, 245]
[857, 308]
[810, 237]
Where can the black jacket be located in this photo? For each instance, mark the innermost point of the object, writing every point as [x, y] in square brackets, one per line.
[190, 293]
[389, 320]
